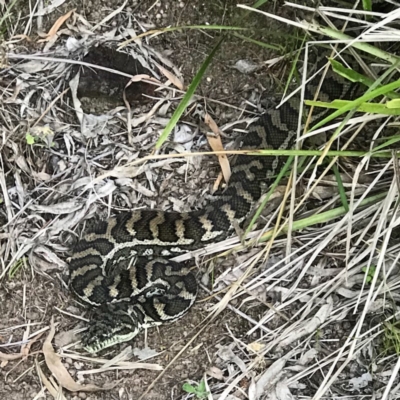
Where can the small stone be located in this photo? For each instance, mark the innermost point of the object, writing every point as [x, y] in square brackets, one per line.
[82, 395]
[77, 365]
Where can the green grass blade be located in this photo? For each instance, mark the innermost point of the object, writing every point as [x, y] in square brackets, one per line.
[372, 108]
[350, 74]
[188, 95]
[259, 3]
[293, 69]
[262, 44]
[342, 191]
[388, 142]
[355, 104]
[367, 5]
[366, 47]
[6, 15]
[321, 218]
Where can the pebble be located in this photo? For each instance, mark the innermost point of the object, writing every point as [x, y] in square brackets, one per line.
[77, 365]
[82, 395]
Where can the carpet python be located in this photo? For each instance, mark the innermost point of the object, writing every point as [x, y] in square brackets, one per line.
[122, 267]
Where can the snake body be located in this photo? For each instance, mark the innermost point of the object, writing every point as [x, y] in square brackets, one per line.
[121, 266]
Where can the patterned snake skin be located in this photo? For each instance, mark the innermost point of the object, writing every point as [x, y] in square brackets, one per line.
[121, 267]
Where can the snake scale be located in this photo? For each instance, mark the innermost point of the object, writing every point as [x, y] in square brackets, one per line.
[122, 267]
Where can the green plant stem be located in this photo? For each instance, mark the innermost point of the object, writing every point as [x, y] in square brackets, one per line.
[321, 218]
[188, 95]
[367, 48]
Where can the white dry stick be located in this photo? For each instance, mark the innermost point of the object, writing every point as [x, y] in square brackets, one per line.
[393, 377]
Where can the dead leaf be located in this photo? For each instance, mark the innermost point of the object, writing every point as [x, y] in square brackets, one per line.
[217, 182]
[66, 207]
[55, 365]
[21, 37]
[216, 373]
[171, 77]
[145, 353]
[41, 176]
[144, 77]
[10, 357]
[49, 386]
[57, 25]
[216, 145]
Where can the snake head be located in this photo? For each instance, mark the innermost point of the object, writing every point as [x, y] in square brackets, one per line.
[108, 328]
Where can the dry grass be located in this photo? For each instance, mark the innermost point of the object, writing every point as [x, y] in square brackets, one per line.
[321, 298]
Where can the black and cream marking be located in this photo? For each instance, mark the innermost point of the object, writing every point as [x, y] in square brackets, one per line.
[117, 267]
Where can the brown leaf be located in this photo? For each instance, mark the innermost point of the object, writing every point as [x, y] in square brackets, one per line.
[54, 364]
[216, 373]
[57, 25]
[143, 77]
[10, 357]
[216, 144]
[171, 77]
[21, 37]
[49, 386]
